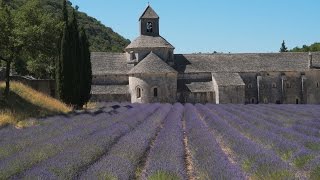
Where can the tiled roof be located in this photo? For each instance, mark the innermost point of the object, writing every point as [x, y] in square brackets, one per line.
[108, 63]
[110, 89]
[149, 42]
[149, 13]
[227, 79]
[115, 63]
[200, 86]
[242, 62]
[316, 59]
[152, 64]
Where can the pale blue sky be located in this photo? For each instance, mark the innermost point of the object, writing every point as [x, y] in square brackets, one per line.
[216, 25]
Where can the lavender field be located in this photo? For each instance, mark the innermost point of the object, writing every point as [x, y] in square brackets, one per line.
[163, 141]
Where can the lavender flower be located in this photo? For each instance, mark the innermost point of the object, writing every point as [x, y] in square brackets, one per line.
[209, 159]
[167, 154]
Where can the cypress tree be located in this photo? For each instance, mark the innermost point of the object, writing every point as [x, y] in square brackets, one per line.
[60, 88]
[65, 65]
[86, 75]
[73, 73]
[283, 47]
[75, 60]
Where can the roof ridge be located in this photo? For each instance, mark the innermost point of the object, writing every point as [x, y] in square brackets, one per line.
[152, 14]
[152, 63]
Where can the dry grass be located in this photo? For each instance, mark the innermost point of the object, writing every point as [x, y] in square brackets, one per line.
[24, 103]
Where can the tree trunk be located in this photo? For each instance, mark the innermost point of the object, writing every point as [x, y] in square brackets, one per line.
[8, 67]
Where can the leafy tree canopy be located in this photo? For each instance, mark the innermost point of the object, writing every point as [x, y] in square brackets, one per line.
[312, 48]
[38, 26]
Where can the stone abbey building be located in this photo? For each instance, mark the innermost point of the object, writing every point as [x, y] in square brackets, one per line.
[149, 71]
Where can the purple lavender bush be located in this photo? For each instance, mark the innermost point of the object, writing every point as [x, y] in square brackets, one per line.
[209, 159]
[167, 154]
[123, 158]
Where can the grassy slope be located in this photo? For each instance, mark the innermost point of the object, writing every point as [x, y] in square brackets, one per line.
[25, 103]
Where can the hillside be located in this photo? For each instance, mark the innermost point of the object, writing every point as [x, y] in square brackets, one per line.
[24, 103]
[101, 38]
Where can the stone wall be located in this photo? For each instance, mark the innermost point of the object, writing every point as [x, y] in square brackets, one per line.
[230, 95]
[283, 87]
[165, 83]
[110, 97]
[164, 53]
[110, 79]
[196, 97]
[251, 93]
[45, 86]
[312, 92]
[195, 77]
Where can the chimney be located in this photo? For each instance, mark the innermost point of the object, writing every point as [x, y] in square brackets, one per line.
[310, 60]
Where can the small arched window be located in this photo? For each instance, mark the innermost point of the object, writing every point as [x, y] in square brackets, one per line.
[250, 86]
[155, 92]
[138, 92]
[274, 85]
[318, 84]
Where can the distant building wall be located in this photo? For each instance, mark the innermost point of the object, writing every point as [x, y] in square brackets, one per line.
[312, 92]
[283, 87]
[231, 94]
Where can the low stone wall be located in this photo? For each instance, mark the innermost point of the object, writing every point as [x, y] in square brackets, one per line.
[45, 86]
[110, 97]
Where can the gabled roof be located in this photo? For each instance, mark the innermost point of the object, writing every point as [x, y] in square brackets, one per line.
[108, 63]
[149, 42]
[152, 64]
[149, 13]
[255, 62]
[200, 86]
[227, 79]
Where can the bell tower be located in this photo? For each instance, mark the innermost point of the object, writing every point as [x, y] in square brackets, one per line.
[149, 22]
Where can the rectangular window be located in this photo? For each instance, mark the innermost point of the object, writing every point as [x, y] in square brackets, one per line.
[155, 92]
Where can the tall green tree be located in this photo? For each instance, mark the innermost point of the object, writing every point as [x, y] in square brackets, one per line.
[10, 45]
[74, 66]
[283, 47]
[64, 64]
[86, 69]
[75, 59]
